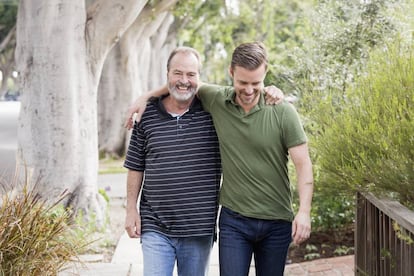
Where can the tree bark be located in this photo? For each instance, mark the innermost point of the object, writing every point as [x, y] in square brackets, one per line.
[112, 101]
[127, 73]
[161, 44]
[61, 48]
[7, 46]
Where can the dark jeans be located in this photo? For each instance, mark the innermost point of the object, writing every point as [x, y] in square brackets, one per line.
[241, 236]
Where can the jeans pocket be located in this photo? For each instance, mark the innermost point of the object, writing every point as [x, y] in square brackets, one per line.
[229, 212]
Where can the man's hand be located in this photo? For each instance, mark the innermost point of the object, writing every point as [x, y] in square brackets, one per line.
[301, 228]
[133, 224]
[273, 95]
[137, 108]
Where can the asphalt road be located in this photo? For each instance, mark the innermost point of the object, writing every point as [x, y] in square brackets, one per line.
[9, 113]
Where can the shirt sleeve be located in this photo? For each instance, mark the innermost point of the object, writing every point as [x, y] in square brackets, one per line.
[293, 132]
[135, 157]
[207, 94]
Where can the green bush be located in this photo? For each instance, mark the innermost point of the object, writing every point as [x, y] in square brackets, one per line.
[35, 237]
[369, 145]
[332, 211]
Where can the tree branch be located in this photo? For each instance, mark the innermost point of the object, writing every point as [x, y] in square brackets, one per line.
[8, 38]
[107, 20]
[146, 15]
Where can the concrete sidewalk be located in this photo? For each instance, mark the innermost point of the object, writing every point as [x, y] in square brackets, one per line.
[127, 261]
[127, 258]
[127, 253]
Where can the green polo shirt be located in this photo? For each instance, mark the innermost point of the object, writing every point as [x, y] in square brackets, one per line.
[254, 151]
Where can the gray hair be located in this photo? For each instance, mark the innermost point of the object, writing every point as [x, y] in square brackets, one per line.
[185, 50]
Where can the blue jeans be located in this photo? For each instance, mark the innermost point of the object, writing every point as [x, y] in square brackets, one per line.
[241, 236]
[160, 253]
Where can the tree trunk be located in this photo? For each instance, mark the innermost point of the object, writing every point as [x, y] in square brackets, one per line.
[112, 102]
[6, 74]
[161, 44]
[60, 52]
[127, 73]
[7, 46]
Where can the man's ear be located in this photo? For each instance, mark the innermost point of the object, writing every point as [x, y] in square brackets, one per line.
[231, 72]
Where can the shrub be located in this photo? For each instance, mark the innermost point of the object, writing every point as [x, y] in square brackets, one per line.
[35, 237]
[369, 146]
[331, 212]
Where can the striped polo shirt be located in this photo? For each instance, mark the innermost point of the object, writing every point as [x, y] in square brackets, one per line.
[181, 163]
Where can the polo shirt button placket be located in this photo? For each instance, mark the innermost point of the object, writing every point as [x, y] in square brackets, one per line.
[179, 125]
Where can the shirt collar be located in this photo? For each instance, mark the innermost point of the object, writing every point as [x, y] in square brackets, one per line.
[230, 98]
[194, 106]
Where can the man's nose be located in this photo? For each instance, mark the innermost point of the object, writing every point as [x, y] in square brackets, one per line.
[183, 78]
[249, 89]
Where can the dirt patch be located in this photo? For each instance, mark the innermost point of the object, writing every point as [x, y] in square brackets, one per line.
[323, 245]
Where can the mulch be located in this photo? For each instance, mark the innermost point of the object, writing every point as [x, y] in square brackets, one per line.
[323, 245]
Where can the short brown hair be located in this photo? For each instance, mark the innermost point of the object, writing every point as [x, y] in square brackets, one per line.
[186, 50]
[249, 55]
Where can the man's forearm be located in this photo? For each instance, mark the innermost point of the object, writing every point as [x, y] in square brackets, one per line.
[139, 105]
[303, 166]
[305, 187]
[134, 182]
[158, 92]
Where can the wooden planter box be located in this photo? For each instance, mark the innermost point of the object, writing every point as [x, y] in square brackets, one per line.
[384, 237]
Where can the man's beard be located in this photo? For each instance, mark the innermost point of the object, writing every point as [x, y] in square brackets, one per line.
[182, 97]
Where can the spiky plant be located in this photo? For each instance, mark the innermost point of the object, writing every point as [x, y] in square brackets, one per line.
[35, 235]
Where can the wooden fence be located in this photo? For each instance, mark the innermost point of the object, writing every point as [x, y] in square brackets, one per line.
[384, 238]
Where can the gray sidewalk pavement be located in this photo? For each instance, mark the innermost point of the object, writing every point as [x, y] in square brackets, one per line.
[127, 258]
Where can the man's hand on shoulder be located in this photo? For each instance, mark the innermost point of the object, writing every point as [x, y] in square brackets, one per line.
[140, 104]
[273, 95]
[137, 108]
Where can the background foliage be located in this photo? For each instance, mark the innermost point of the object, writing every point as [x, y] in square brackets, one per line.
[369, 147]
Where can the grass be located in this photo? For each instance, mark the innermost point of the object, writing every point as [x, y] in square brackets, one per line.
[110, 166]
